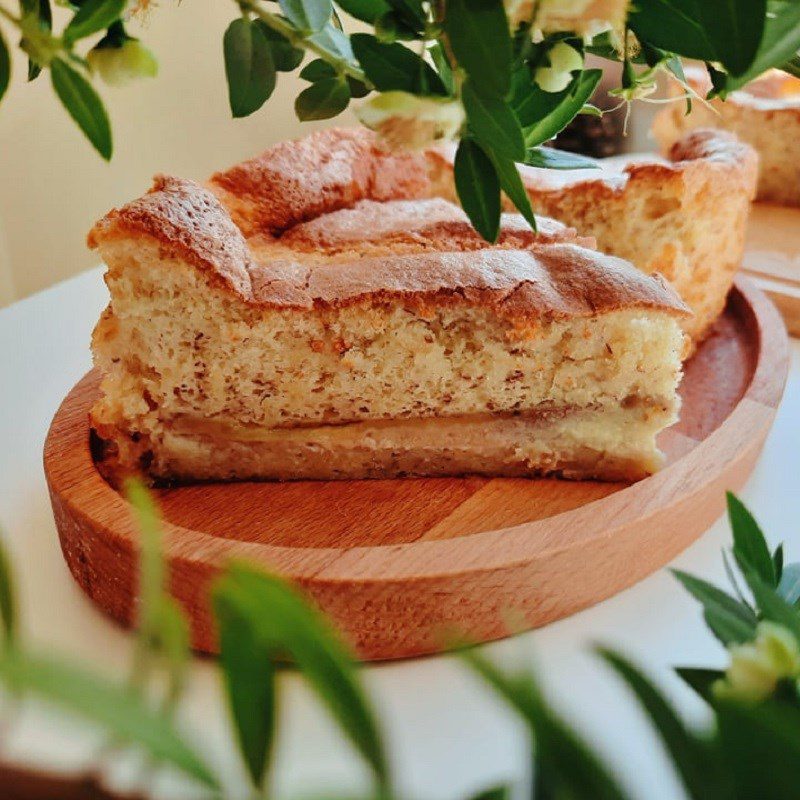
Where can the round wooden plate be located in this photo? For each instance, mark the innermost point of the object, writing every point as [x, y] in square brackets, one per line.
[396, 562]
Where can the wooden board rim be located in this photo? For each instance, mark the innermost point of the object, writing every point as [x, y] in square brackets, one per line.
[419, 560]
[392, 600]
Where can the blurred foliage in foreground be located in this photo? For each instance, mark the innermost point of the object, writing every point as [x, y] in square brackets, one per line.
[749, 748]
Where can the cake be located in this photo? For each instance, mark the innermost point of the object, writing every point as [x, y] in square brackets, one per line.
[683, 216]
[319, 313]
[765, 114]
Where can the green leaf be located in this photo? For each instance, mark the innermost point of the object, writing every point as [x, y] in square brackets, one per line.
[249, 67]
[334, 43]
[734, 28]
[493, 123]
[478, 187]
[761, 745]
[734, 583]
[572, 770]
[675, 66]
[479, 36]
[5, 66]
[545, 117]
[83, 105]
[410, 12]
[771, 605]
[550, 158]
[163, 632]
[357, 89]
[171, 642]
[673, 25]
[777, 560]
[42, 10]
[285, 56]
[365, 10]
[511, 184]
[284, 622]
[317, 70]
[792, 66]
[93, 16]
[392, 27]
[729, 620]
[693, 758]
[120, 712]
[8, 595]
[749, 545]
[502, 792]
[322, 100]
[780, 42]
[307, 15]
[789, 586]
[249, 674]
[443, 67]
[393, 67]
[151, 566]
[701, 680]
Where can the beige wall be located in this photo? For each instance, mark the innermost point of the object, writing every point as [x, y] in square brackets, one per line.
[53, 185]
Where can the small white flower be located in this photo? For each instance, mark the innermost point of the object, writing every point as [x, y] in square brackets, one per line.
[564, 60]
[407, 121]
[756, 667]
[118, 66]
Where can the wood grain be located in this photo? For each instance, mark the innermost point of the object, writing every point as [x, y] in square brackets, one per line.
[772, 258]
[396, 562]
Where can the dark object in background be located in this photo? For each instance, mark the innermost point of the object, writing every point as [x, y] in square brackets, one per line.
[597, 137]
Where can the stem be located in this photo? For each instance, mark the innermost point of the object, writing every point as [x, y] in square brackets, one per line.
[458, 75]
[297, 39]
[792, 66]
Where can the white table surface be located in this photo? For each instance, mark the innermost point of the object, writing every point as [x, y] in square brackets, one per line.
[447, 734]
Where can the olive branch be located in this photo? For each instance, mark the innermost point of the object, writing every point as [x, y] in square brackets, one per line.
[498, 78]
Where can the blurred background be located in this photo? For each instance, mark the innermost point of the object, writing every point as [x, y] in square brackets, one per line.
[53, 186]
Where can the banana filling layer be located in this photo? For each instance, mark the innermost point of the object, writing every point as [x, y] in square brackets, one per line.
[611, 442]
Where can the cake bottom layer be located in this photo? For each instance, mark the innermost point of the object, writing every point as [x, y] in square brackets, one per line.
[615, 444]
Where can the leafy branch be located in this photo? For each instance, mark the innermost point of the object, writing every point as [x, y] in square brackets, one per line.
[499, 78]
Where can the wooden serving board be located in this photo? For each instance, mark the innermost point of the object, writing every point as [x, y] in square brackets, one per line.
[396, 562]
[772, 258]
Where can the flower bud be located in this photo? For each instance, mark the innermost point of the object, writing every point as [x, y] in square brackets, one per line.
[564, 60]
[119, 65]
[406, 121]
[756, 667]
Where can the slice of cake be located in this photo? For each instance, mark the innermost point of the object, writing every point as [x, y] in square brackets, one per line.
[683, 216]
[765, 114]
[309, 318]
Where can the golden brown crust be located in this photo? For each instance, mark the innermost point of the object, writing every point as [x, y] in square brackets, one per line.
[189, 223]
[773, 91]
[337, 169]
[703, 150]
[765, 115]
[554, 281]
[412, 225]
[682, 217]
[302, 179]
